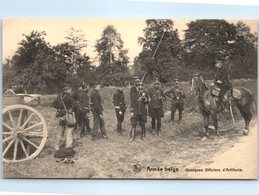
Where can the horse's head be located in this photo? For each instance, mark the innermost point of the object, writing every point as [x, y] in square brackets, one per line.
[196, 84]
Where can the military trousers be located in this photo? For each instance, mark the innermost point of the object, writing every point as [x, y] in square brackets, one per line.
[156, 124]
[64, 133]
[98, 124]
[177, 105]
[120, 119]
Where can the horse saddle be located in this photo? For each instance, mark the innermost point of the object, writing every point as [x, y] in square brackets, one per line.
[237, 94]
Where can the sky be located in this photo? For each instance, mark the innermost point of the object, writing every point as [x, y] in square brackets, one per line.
[57, 29]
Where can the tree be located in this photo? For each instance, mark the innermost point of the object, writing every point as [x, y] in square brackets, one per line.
[8, 73]
[35, 64]
[78, 67]
[244, 58]
[160, 50]
[207, 41]
[75, 44]
[112, 57]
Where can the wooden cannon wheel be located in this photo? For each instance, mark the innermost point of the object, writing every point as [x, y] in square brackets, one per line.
[24, 133]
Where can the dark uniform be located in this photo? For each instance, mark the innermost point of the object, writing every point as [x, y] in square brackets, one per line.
[97, 110]
[84, 109]
[223, 82]
[139, 100]
[133, 89]
[75, 95]
[70, 106]
[120, 108]
[155, 106]
[177, 96]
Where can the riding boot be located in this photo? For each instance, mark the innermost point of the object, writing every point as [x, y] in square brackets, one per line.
[180, 115]
[143, 132]
[158, 129]
[120, 127]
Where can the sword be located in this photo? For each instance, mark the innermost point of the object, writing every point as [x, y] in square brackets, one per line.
[231, 112]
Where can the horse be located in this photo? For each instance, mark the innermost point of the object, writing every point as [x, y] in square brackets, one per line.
[209, 107]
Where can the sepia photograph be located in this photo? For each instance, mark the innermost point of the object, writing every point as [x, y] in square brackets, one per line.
[129, 98]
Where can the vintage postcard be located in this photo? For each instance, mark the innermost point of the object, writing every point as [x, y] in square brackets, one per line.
[129, 99]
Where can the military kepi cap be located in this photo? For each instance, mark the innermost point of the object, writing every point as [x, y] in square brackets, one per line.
[67, 85]
[157, 82]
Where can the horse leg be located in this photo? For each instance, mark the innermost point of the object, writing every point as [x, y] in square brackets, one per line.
[247, 115]
[215, 123]
[206, 122]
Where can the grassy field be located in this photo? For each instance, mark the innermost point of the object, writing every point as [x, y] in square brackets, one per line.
[179, 145]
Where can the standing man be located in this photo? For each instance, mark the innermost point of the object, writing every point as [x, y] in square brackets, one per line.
[139, 100]
[120, 107]
[97, 110]
[155, 106]
[84, 109]
[64, 103]
[75, 95]
[133, 89]
[177, 95]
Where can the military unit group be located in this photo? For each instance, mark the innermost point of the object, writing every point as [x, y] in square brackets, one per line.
[143, 103]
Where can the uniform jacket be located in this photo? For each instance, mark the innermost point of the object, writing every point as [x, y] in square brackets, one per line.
[133, 90]
[223, 76]
[119, 100]
[138, 101]
[177, 94]
[84, 101]
[69, 102]
[96, 102]
[156, 98]
[75, 95]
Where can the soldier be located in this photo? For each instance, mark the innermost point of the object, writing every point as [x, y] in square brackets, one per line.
[223, 82]
[84, 109]
[176, 94]
[64, 103]
[75, 95]
[120, 107]
[97, 110]
[155, 106]
[133, 89]
[139, 100]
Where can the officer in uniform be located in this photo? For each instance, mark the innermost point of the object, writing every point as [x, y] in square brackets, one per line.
[64, 103]
[97, 110]
[120, 107]
[133, 89]
[75, 95]
[84, 109]
[177, 96]
[222, 81]
[138, 100]
[155, 106]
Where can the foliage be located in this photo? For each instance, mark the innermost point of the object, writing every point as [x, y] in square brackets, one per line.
[35, 64]
[207, 41]
[160, 50]
[112, 57]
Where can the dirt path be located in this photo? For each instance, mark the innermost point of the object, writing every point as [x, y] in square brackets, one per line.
[238, 162]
